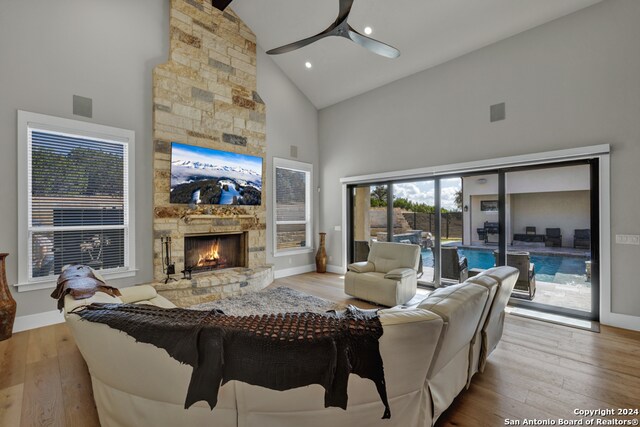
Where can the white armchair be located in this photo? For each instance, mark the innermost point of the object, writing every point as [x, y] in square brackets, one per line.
[388, 277]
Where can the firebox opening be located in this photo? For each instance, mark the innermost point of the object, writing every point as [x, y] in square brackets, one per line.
[214, 251]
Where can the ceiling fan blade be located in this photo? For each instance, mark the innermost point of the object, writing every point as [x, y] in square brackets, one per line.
[373, 45]
[297, 45]
[345, 9]
[220, 4]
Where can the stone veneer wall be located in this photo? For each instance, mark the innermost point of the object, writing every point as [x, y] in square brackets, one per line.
[206, 95]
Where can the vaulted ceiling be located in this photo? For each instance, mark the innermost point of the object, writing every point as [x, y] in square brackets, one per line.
[427, 32]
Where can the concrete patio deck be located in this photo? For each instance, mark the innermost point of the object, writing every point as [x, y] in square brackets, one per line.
[574, 296]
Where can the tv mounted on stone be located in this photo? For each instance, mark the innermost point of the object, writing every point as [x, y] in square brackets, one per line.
[205, 176]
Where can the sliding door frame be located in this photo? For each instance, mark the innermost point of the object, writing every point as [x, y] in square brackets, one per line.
[594, 203]
[519, 163]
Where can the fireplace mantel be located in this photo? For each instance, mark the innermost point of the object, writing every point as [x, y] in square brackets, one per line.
[191, 218]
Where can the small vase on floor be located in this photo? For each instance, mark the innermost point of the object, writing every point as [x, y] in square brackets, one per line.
[321, 255]
[7, 303]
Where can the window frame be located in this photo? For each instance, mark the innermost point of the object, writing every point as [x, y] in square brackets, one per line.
[27, 122]
[307, 168]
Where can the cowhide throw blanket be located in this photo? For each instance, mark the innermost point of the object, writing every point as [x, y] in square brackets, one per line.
[276, 351]
[81, 283]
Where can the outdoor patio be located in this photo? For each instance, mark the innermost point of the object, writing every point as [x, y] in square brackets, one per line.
[577, 297]
[573, 296]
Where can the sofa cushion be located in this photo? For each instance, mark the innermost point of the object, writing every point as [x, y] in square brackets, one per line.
[493, 326]
[384, 265]
[137, 293]
[389, 256]
[461, 307]
[374, 287]
[475, 351]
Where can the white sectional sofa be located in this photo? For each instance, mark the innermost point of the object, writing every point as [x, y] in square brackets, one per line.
[430, 352]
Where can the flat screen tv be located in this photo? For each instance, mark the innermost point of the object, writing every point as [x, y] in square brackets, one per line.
[212, 177]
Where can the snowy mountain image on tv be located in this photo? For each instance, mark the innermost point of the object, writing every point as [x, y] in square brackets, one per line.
[212, 177]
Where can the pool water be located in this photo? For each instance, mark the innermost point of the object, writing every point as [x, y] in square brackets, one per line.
[549, 268]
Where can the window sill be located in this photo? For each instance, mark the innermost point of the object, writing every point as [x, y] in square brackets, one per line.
[49, 283]
[293, 252]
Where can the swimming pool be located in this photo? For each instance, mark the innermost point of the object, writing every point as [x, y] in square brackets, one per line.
[549, 268]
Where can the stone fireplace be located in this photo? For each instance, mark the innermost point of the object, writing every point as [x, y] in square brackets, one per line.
[205, 95]
[210, 252]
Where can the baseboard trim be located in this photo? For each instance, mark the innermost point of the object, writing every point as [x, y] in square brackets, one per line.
[33, 321]
[624, 321]
[337, 269]
[294, 271]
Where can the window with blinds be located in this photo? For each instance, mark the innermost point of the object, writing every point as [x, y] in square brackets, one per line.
[292, 183]
[78, 202]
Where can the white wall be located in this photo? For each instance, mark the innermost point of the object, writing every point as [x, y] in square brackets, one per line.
[568, 178]
[106, 50]
[570, 83]
[566, 210]
[291, 120]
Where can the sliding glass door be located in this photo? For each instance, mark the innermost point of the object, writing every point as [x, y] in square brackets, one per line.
[552, 236]
[369, 218]
[541, 220]
[481, 223]
[414, 220]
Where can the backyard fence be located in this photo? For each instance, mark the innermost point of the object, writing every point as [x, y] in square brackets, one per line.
[451, 223]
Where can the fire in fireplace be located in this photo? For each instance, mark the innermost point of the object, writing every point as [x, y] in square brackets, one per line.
[211, 257]
[214, 251]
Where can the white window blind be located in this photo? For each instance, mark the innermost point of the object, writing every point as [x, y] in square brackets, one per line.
[78, 204]
[292, 183]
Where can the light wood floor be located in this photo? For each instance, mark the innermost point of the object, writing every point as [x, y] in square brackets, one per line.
[539, 370]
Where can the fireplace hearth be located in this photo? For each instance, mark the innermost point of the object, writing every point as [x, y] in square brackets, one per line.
[212, 252]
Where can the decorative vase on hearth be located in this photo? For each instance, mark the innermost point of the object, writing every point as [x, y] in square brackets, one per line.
[321, 255]
[7, 303]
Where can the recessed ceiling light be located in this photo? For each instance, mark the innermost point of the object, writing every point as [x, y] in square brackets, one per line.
[308, 64]
[368, 30]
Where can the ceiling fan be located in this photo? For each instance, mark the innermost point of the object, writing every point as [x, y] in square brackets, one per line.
[341, 28]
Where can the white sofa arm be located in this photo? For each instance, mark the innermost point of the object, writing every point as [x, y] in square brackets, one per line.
[399, 273]
[362, 267]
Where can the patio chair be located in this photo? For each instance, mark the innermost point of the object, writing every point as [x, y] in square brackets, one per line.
[525, 287]
[453, 266]
[553, 237]
[582, 239]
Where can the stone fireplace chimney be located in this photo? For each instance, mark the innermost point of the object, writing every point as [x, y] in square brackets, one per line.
[205, 95]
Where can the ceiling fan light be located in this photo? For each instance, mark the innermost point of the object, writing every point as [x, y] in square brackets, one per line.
[368, 30]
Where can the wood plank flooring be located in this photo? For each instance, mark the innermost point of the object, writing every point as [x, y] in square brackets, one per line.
[539, 370]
